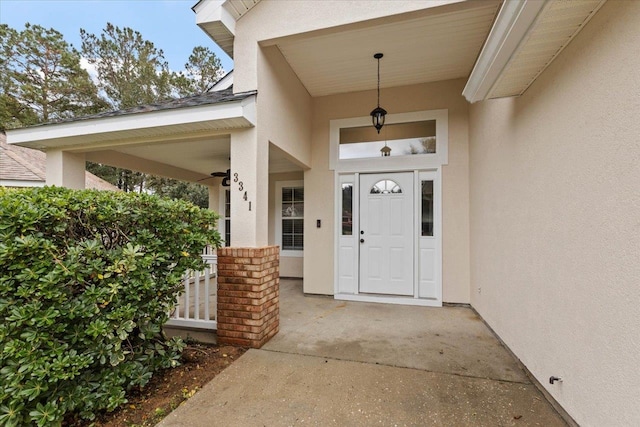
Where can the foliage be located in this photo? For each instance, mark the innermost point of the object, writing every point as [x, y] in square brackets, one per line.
[130, 70]
[180, 190]
[125, 179]
[88, 279]
[41, 78]
[201, 71]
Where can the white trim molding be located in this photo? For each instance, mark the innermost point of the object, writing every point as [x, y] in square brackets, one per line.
[222, 221]
[427, 275]
[389, 299]
[223, 83]
[513, 22]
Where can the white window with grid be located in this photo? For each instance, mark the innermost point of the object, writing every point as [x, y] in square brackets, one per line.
[290, 217]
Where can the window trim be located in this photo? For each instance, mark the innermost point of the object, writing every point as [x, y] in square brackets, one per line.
[278, 217]
[222, 226]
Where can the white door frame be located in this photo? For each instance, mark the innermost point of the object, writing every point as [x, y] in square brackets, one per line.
[346, 276]
[347, 171]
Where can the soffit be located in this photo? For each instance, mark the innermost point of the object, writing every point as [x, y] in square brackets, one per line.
[204, 155]
[440, 46]
[554, 28]
[237, 8]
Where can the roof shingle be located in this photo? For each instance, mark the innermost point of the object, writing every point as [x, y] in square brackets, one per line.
[207, 98]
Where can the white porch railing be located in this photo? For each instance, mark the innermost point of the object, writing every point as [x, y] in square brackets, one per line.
[197, 306]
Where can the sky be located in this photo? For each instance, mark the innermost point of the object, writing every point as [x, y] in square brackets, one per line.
[169, 24]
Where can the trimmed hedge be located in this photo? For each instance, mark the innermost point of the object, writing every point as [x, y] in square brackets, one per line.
[87, 279]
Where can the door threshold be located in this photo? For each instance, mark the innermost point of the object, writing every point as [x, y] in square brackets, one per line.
[389, 299]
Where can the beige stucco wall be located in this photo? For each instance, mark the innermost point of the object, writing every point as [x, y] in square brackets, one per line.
[555, 220]
[289, 266]
[65, 169]
[284, 107]
[319, 181]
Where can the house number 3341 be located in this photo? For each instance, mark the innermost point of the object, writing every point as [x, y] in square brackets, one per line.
[236, 179]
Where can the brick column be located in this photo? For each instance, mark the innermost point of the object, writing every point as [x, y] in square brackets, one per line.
[248, 295]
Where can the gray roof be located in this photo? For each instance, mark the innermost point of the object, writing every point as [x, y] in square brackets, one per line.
[207, 98]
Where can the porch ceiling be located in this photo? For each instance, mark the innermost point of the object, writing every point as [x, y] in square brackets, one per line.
[191, 159]
[418, 48]
[203, 155]
[188, 159]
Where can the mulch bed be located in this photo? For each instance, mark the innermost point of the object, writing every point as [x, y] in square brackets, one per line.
[170, 387]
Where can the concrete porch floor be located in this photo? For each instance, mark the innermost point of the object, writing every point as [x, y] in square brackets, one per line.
[360, 364]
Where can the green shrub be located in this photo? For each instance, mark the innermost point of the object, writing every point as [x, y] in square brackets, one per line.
[87, 279]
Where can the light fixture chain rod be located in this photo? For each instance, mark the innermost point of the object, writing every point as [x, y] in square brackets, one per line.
[378, 82]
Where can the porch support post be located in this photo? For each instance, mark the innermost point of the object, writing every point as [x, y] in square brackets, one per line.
[249, 270]
[248, 295]
[66, 169]
[249, 189]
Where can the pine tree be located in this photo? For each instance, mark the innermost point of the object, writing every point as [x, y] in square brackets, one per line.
[41, 78]
[131, 70]
[202, 70]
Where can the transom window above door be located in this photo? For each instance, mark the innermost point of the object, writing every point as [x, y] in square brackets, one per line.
[417, 140]
[401, 139]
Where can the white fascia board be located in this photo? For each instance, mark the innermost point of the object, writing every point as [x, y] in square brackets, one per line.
[243, 109]
[224, 83]
[217, 23]
[249, 112]
[214, 11]
[512, 24]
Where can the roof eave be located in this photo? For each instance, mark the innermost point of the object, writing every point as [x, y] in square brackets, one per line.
[218, 19]
[511, 26]
[132, 127]
[525, 39]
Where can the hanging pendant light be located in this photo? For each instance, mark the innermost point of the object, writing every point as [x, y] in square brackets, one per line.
[378, 113]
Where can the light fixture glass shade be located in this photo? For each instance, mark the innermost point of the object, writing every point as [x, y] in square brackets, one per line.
[377, 117]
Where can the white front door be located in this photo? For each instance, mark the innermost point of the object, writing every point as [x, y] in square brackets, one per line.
[386, 233]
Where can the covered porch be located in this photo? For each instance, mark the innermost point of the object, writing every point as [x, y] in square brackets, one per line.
[346, 363]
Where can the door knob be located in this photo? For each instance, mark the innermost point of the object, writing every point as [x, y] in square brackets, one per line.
[361, 240]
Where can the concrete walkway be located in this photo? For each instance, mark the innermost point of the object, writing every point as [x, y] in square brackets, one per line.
[359, 364]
